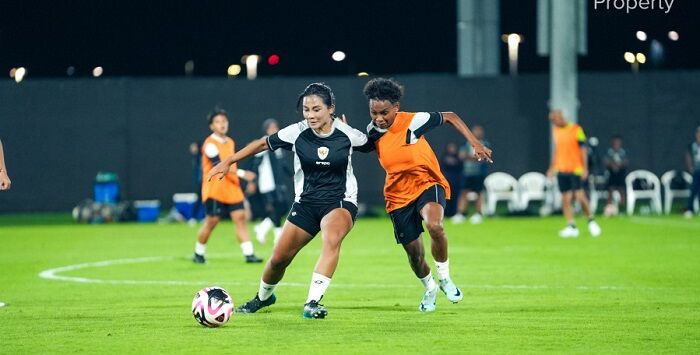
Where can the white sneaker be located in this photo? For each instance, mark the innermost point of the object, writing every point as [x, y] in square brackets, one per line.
[427, 303]
[688, 214]
[476, 218]
[569, 232]
[458, 218]
[453, 293]
[594, 228]
[260, 233]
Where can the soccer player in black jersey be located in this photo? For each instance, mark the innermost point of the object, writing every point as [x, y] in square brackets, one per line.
[325, 194]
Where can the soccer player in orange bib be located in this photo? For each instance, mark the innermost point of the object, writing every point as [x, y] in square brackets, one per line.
[222, 198]
[569, 162]
[415, 189]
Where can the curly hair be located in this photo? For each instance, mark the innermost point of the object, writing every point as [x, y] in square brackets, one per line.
[319, 89]
[383, 89]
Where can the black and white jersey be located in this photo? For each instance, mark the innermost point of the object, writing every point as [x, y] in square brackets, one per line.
[322, 163]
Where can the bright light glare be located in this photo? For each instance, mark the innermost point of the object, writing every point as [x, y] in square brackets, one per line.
[641, 58]
[234, 69]
[629, 57]
[338, 56]
[642, 36]
[97, 72]
[673, 35]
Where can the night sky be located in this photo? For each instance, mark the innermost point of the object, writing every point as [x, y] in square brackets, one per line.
[157, 38]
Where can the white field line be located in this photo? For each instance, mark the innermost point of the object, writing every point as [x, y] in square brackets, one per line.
[53, 274]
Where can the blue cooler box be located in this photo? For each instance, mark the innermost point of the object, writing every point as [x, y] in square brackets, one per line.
[187, 203]
[147, 210]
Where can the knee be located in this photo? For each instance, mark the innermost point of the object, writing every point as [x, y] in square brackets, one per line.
[435, 228]
[278, 262]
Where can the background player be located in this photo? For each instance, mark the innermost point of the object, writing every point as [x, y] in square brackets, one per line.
[569, 162]
[222, 198]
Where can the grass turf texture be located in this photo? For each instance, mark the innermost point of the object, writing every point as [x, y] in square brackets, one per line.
[635, 289]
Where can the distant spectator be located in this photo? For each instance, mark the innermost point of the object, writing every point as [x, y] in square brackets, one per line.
[474, 174]
[616, 162]
[451, 166]
[692, 159]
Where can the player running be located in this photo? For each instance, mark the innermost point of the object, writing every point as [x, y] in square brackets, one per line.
[415, 189]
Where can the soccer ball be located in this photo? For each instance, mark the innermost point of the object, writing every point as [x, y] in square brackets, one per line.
[212, 306]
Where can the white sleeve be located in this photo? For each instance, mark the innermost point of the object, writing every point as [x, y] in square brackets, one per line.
[211, 151]
[286, 137]
[356, 137]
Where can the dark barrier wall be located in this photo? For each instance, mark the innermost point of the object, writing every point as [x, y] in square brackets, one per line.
[59, 133]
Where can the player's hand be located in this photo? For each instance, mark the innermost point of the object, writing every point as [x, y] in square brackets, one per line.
[250, 188]
[4, 181]
[550, 173]
[249, 176]
[584, 176]
[482, 153]
[220, 169]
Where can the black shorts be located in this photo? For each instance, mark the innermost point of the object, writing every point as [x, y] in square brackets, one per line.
[617, 178]
[407, 221]
[569, 182]
[473, 183]
[308, 217]
[216, 208]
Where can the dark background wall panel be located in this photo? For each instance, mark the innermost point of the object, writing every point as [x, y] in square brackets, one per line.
[59, 133]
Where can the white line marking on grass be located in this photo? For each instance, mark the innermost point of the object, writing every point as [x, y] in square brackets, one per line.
[2, 304]
[53, 274]
[665, 223]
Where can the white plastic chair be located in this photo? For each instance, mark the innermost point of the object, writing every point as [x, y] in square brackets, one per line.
[532, 188]
[653, 193]
[595, 193]
[670, 193]
[500, 187]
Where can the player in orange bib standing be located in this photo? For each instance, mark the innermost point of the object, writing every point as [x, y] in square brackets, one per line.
[569, 162]
[415, 189]
[222, 198]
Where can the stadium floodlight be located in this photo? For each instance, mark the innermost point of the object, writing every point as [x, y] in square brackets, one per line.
[673, 35]
[642, 36]
[363, 73]
[251, 66]
[234, 70]
[338, 56]
[12, 72]
[629, 57]
[513, 40]
[641, 58]
[19, 74]
[97, 72]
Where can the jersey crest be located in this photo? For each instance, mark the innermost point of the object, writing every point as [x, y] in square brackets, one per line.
[322, 152]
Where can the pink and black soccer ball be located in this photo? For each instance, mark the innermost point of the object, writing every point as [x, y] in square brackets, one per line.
[212, 306]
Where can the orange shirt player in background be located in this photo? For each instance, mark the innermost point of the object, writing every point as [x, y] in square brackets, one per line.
[222, 198]
[569, 162]
[415, 189]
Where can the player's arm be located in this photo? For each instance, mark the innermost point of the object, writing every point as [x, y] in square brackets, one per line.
[688, 160]
[480, 152]
[4, 178]
[552, 159]
[581, 137]
[222, 168]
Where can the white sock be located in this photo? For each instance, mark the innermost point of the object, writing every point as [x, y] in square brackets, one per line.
[319, 284]
[428, 282]
[247, 248]
[265, 290]
[200, 248]
[443, 269]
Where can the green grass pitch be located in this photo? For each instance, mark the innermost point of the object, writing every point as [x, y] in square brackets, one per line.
[635, 289]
